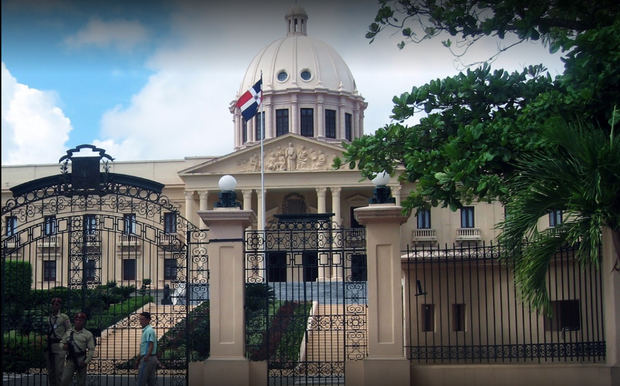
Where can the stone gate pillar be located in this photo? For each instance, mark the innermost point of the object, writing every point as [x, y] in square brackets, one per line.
[386, 363]
[226, 364]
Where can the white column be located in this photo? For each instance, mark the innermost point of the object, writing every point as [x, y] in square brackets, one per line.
[204, 199]
[356, 127]
[337, 259]
[340, 120]
[189, 206]
[294, 115]
[396, 193]
[261, 215]
[319, 118]
[320, 200]
[247, 200]
[336, 204]
[269, 123]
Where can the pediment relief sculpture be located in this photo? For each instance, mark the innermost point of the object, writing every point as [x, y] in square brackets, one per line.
[289, 158]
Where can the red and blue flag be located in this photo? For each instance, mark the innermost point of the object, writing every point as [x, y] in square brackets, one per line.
[250, 100]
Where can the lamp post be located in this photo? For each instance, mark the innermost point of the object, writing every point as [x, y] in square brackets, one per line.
[382, 193]
[227, 196]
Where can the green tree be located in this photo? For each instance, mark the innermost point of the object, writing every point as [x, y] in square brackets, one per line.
[483, 129]
[580, 174]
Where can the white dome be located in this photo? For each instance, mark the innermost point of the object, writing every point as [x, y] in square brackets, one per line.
[308, 90]
[283, 61]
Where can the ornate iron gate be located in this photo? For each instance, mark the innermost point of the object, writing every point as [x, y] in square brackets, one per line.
[110, 245]
[305, 299]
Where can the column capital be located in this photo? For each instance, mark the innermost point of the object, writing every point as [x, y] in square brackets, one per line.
[321, 190]
[203, 193]
[335, 189]
[189, 194]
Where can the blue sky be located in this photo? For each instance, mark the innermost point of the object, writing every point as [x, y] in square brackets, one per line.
[154, 79]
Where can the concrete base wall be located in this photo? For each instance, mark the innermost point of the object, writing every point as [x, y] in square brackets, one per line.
[515, 375]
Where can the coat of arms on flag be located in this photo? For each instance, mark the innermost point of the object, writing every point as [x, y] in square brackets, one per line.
[250, 100]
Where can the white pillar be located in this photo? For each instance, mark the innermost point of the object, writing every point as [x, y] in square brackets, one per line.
[247, 200]
[337, 259]
[320, 117]
[261, 215]
[189, 205]
[294, 115]
[204, 199]
[396, 193]
[320, 200]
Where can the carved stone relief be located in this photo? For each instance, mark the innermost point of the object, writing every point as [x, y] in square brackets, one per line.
[288, 158]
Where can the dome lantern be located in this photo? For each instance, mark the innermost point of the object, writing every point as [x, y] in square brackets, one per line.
[296, 21]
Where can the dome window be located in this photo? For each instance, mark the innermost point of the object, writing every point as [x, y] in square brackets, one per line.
[306, 74]
[282, 76]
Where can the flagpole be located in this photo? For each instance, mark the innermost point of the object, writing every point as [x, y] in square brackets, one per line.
[262, 157]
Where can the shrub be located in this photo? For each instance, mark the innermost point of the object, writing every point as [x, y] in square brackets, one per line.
[18, 275]
[22, 352]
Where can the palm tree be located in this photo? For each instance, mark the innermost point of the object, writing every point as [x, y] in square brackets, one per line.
[579, 173]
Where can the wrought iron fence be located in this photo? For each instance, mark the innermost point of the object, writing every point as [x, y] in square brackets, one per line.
[462, 306]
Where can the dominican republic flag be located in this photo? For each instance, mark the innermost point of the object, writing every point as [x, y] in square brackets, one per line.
[250, 100]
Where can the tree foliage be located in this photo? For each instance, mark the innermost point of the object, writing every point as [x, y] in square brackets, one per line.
[580, 174]
[533, 142]
[480, 121]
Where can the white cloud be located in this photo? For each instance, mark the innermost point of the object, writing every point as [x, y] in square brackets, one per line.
[34, 128]
[122, 34]
[171, 117]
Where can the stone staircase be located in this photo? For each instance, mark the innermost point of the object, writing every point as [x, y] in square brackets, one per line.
[121, 342]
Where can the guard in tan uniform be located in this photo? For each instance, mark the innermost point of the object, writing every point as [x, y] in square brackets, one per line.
[79, 344]
[58, 325]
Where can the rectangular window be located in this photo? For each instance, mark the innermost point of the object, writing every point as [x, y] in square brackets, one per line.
[307, 122]
[170, 223]
[49, 270]
[467, 217]
[330, 123]
[555, 218]
[129, 221]
[50, 225]
[170, 269]
[428, 317]
[244, 130]
[259, 120]
[90, 270]
[129, 269]
[458, 317]
[90, 224]
[424, 218]
[11, 225]
[565, 316]
[348, 126]
[281, 122]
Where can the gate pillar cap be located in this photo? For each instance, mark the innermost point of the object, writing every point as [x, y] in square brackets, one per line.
[226, 223]
[380, 213]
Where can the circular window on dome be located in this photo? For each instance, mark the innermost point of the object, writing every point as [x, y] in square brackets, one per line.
[306, 74]
[282, 76]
